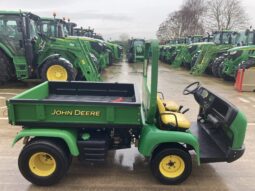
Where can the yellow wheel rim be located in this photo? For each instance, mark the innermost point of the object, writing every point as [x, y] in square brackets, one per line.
[57, 73]
[42, 164]
[171, 166]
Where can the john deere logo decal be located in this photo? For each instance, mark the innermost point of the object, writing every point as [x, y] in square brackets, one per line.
[76, 112]
[139, 49]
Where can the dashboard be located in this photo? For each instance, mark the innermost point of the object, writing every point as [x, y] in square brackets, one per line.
[212, 106]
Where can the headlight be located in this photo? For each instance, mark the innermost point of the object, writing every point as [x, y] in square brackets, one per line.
[233, 52]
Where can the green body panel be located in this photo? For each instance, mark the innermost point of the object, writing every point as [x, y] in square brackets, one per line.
[67, 135]
[150, 82]
[103, 57]
[33, 100]
[6, 50]
[151, 137]
[206, 56]
[181, 52]
[115, 50]
[75, 51]
[231, 62]
[238, 129]
[19, 61]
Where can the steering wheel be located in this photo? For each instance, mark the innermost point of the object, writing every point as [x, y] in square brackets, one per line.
[192, 88]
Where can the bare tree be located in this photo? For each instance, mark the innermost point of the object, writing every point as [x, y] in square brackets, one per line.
[187, 21]
[225, 15]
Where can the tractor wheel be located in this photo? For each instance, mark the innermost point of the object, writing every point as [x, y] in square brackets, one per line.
[221, 69]
[7, 69]
[43, 162]
[58, 69]
[130, 58]
[111, 60]
[215, 67]
[172, 165]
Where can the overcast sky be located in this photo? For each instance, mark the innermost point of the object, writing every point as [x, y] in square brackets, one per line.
[137, 18]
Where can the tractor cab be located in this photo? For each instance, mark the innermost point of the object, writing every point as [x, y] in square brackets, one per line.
[250, 37]
[196, 39]
[20, 41]
[53, 27]
[224, 37]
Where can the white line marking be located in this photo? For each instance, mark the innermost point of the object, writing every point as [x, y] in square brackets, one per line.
[243, 100]
[251, 124]
[3, 118]
[3, 107]
[7, 94]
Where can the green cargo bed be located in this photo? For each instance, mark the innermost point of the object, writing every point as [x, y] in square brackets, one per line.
[76, 104]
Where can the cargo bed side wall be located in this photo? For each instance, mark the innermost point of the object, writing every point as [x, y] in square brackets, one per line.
[38, 92]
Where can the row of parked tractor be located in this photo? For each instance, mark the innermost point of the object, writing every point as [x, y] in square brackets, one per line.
[34, 47]
[220, 54]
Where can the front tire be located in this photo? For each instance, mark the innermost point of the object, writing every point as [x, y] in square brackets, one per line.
[58, 69]
[43, 162]
[7, 68]
[171, 166]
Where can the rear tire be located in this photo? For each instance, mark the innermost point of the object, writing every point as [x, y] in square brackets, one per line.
[58, 69]
[43, 162]
[171, 166]
[7, 71]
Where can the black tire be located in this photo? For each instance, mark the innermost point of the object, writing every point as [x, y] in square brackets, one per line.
[178, 153]
[71, 72]
[130, 58]
[111, 59]
[7, 72]
[221, 69]
[53, 152]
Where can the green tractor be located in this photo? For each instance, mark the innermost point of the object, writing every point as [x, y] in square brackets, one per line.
[96, 47]
[167, 50]
[187, 51]
[26, 53]
[222, 41]
[115, 51]
[86, 120]
[135, 51]
[226, 65]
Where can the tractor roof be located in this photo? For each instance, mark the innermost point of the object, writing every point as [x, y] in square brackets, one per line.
[18, 13]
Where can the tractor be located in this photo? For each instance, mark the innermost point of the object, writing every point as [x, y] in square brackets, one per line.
[27, 53]
[96, 47]
[222, 41]
[135, 51]
[226, 66]
[187, 51]
[115, 51]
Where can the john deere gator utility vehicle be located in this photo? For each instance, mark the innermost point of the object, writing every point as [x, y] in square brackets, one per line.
[223, 40]
[187, 51]
[135, 51]
[26, 53]
[226, 66]
[98, 117]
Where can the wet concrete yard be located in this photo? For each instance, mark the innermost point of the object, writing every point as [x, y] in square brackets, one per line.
[127, 169]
